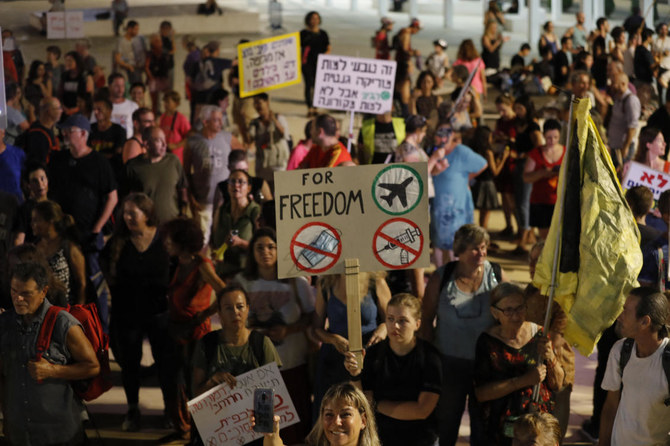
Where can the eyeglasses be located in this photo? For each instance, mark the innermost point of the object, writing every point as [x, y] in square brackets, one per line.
[511, 311]
[238, 181]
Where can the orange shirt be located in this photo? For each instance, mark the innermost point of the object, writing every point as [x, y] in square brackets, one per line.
[332, 157]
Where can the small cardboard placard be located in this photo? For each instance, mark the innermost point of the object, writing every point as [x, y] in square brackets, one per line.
[222, 414]
[377, 214]
[268, 64]
[354, 84]
[55, 25]
[65, 25]
[640, 175]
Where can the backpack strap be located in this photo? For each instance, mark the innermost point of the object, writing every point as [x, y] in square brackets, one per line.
[46, 331]
[446, 273]
[257, 342]
[626, 350]
[497, 271]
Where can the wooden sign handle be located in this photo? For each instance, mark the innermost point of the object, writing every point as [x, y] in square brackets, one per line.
[351, 273]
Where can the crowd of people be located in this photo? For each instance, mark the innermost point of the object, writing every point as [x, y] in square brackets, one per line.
[156, 217]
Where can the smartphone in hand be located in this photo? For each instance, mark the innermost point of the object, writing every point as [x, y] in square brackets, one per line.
[264, 410]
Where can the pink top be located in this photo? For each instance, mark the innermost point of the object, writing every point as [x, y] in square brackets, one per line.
[175, 128]
[477, 79]
[299, 152]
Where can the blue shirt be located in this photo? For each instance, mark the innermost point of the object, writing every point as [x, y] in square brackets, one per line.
[11, 165]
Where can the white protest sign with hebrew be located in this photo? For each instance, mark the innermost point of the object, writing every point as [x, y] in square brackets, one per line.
[377, 214]
[74, 24]
[354, 84]
[56, 25]
[222, 414]
[640, 175]
[268, 64]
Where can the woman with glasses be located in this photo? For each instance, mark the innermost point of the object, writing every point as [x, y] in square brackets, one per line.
[233, 226]
[511, 358]
[282, 310]
[457, 295]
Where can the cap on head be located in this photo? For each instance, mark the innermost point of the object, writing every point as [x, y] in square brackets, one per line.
[441, 42]
[415, 23]
[77, 120]
[386, 21]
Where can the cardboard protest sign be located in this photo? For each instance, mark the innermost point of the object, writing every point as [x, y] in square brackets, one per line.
[74, 24]
[55, 25]
[641, 175]
[377, 214]
[269, 64]
[354, 84]
[222, 414]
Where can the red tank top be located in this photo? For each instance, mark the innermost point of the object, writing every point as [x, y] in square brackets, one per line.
[189, 297]
[544, 191]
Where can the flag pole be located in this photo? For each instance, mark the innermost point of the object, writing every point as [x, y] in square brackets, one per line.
[559, 231]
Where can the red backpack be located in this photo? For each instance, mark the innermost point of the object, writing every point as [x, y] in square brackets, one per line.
[87, 314]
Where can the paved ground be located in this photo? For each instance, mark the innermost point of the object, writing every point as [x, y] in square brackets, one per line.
[350, 33]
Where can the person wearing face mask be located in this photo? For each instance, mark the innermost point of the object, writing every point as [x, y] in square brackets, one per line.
[158, 174]
[403, 376]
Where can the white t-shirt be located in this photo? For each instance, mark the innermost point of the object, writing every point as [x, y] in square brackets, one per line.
[275, 300]
[642, 418]
[660, 46]
[122, 114]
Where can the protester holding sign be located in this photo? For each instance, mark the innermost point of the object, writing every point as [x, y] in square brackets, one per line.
[331, 304]
[282, 310]
[404, 375]
[356, 425]
[223, 354]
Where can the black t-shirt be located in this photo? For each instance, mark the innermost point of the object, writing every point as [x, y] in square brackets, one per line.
[72, 88]
[24, 218]
[403, 378]
[560, 61]
[524, 142]
[647, 234]
[643, 61]
[312, 45]
[140, 283]
[81, 186]
[39, 142]
[108, 142]
[517, 62]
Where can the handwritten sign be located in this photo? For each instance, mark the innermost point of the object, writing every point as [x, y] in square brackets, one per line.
[377, 214]
[354, 84]
[269, 64]
[222, 414]
[74, 24]
[641, 175]
[55, 25]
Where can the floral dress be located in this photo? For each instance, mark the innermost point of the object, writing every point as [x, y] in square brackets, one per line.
[497, 361]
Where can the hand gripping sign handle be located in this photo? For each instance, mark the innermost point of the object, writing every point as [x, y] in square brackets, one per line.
[351, 270]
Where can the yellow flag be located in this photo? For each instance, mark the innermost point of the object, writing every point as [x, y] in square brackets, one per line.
[599, 255]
